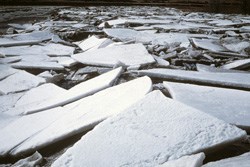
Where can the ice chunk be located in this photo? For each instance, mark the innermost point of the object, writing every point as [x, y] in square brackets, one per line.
[133, 54]
[232, 80]
[79, 91]
[7, 60]
[238, 64]
[149, 133]
[34, 160]
[210, 69]
[83, 115]
[6, 119]
[242, 161]
[122, 33]
[209, 44]
[49, 49]
[186, 161]
[161, 62]
[237, 46]
[20, 81]
[230, 105]
[25, 39]
[44, 65]
[9, 101]
[6, 71]
[26, 126]
[65, 61]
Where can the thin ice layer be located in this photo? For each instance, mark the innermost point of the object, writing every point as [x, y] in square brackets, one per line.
[151, 132]
[84, 114]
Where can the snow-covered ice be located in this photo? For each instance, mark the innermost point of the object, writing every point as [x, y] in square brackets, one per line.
[209, 44]
[45, 65]
[229, 105]
[130, 55]
[239, 161]
[195, 160]
[6, 71]
[151, 132]
[81, 116]
[9, 101]
[210, 69]
[238, 64]
[20, 81]
[232, 80]
[79, 91]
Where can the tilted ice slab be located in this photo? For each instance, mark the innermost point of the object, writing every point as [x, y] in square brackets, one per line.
[232, 80]
[151, 132]
[229, 105]
[79, 91]
[130, 55]
[242, 161]
[50, 49]
[20, 81]
[210, 69]
[25, 39]
[26, 126]
[237, 65]
[209, 44]
[91, 42]
[9, 101]
[6, 119]
[6, 71]
[45, 65]
[186, 161]
[84, 114]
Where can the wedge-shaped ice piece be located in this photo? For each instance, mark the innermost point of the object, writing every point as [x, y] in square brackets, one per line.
[20, 81]
[186, 161]
[231, 80]
[6, 71]
[25, 39]
[83, 115]
[151, 132]
[8, 60]
[210, 69]
[79, 91]
[230, 105]
[34, 160]
[242, 161]
[23, 128]
[238, 64]
[64, 61]
[50, 49]
[92, 42]
[45, 65]
[130, 55]
[9, 101]
[123, 34]
[209, 44]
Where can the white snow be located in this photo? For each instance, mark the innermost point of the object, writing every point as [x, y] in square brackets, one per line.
[232, 80]
[130, 55]
[239, 161]
[195, 160]
[229, 105]
[151, 132]
[79, 91]
[20, 81]
[81, 116]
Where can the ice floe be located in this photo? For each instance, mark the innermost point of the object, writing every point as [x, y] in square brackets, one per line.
[209, 44]
[6, 71]
[72, 119]
[232, 80]
[151, 132]
[129, 55]
[45, 65]
[205, 68]
[238, 64]
[230, 105]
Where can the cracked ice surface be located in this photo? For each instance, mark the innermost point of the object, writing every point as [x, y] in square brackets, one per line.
[151, 132]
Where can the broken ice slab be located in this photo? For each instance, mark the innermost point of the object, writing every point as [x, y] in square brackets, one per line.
[211, 69]
[245, 29]
[242, 161]
[209, 44]
[79, 91]
[238, 64]
[195, 160]
[230, 105]
[6, 119]
[26, 126]
[225, 23]
[6, 71]
[25, 39]
[64, 61]
[236, 45]
[45, 65]
[129, 55]
[75, 118]
[168, 129]
[183, 26]
[92, 42]
[51, 78]
[20, 81]
[122, 34]
[9, 101]
[228, 80]
[8, 60]
[35, 159]
[161, 62]
[49, 49]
